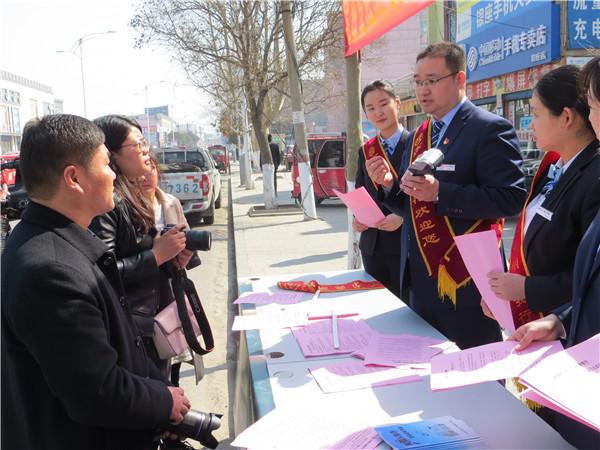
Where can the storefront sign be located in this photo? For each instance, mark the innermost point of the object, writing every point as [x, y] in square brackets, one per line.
[494, 46]
[583, 18]
[507, 83]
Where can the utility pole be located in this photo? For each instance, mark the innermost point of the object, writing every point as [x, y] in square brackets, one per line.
[353, 143]
[306, 182]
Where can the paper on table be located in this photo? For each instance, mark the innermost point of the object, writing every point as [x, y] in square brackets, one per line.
[399, 349]
[315, 338]
[269, 320]
[351, 375]
[362, 206]
[534, 396]
[441, 432]
[571, 380]
[366, 439]
[290, 429]
[486, 363]
[263, 298]
[481, 255]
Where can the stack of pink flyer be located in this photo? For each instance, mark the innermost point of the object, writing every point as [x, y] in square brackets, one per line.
[569, 382]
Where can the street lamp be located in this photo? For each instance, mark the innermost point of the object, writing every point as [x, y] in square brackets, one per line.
[79, 45]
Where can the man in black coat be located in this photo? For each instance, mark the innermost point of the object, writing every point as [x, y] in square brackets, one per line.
[276, 156]
[74, 371]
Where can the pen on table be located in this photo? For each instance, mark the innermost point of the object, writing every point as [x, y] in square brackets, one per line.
[334, 329]
[339, 316]
[316, 296]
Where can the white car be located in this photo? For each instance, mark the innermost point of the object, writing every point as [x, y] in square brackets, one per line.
[192, 177]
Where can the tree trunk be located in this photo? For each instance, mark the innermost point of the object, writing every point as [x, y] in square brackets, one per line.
[260, 132]
[353, 143]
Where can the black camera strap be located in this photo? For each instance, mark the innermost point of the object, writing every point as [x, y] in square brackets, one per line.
[182, 287]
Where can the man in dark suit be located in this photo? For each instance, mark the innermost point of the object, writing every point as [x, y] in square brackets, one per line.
[74, 371]
[276, 156]
[479, 183]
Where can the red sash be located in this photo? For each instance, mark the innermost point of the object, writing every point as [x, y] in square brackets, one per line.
[312, 286]
[435, 235]
[372, 148]
[518, 263]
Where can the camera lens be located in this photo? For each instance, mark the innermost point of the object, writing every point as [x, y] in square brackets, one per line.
[199, 426]
[198, 240]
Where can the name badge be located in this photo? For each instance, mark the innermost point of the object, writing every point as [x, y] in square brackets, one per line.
[446, 168]
[545, 213]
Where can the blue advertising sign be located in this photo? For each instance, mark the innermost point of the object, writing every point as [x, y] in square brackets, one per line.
[583, 17]
[531, 38]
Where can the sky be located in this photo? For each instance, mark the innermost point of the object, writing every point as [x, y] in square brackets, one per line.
[116, 74]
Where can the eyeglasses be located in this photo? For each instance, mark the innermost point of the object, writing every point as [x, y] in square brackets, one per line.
[430, 82]
[141, 145]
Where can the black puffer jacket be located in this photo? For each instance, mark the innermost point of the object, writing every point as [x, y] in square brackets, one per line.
[147, 288]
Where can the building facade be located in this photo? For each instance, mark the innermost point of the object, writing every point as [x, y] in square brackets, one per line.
[21, 99]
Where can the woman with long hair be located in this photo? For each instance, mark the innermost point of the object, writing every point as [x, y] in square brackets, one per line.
[167, 210]
[129, 230]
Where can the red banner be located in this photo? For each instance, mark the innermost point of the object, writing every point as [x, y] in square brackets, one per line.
[365, 21]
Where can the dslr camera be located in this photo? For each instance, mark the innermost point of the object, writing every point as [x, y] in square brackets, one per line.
[195, 240]
[198, 425]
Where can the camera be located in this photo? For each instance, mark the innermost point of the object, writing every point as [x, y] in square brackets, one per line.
[427, 162]
[198, 425]
[194, 239]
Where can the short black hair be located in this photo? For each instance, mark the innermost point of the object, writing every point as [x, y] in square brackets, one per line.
[269, 137]
[453, 55]
[590, 78]
[377, 85]
[50, 144]
[559, 89]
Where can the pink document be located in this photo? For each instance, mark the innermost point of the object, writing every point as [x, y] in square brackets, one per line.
[264, 298]
[362, 206]
[486, 363]
[351, 375]
[481, 256]
[316, 339]
[399, 349]
[570, 380]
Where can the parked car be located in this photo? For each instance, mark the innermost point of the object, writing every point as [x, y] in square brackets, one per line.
[327, 154]
[221, 157]
[192, 177]
[531, 162]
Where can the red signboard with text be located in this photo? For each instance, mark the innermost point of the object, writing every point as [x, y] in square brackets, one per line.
[365, 21]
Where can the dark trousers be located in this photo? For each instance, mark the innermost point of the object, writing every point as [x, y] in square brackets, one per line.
[464, 324]
[386, 270]
[275, 179]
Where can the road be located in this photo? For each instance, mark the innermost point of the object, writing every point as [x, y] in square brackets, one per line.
[214, 281]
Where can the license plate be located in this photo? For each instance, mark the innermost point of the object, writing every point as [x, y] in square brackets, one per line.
[184, 189]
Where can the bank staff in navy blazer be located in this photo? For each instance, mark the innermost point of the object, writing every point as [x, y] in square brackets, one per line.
[479, 182]
[578, 320]
[380, 245]
[564, 198]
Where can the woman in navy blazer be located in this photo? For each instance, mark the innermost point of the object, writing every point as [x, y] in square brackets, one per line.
[558, 211]
[578, 320]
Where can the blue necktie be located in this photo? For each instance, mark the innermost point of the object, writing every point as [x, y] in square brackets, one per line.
[435, 132]
[554, 174]
[388, 148]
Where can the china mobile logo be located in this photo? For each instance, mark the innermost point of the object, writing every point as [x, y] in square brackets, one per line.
[472, 58]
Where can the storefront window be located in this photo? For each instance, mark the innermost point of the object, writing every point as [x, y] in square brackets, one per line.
[519, 113]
